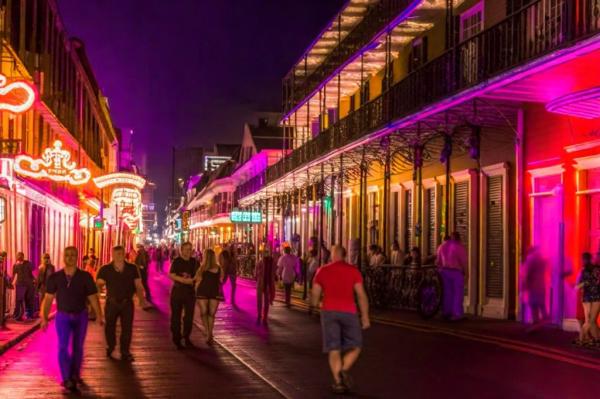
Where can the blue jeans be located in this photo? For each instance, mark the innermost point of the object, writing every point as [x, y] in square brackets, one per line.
[453, 281]
[71, 327]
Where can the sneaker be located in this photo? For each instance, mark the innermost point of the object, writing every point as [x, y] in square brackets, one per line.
[127, 357]
[78, 380]
[109, 352]
[178, 345]
[347, 379]
[338, 388]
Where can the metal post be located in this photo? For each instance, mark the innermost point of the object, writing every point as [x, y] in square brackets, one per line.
[340, 215]
[332, 202]
[321, 210]
[267, 244]
[361, 207]
[386, 197]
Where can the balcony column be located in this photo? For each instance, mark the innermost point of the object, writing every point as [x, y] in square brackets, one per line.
[266, 239]
[387, 174]
[449, 24]
[418, 183]
[321, 211]
[340, 207]
[331, 210]
[361, 208]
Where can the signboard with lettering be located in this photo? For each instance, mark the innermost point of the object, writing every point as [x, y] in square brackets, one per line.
[246, 217]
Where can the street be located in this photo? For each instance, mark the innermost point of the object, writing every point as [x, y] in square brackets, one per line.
[284, 360]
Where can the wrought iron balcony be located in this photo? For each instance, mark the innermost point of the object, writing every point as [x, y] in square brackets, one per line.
[537, 29]
[381, 14]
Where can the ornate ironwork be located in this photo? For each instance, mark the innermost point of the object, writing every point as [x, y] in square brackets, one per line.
[519, 38]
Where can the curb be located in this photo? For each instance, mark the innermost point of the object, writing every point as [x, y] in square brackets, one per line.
[20, 337]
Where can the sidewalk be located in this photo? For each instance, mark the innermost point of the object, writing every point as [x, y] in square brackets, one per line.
[549, 341]
[15, 332]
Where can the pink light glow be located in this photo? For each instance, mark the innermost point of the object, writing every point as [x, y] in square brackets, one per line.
[16, 104]
[584, 104]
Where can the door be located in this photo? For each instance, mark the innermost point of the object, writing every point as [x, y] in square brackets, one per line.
[36, 234]
[471, 23]
[494, 266]
[546, 237]
[431, 219]
[594, 223]
[408, 220]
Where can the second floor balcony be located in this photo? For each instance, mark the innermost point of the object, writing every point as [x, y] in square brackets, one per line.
[538, 29]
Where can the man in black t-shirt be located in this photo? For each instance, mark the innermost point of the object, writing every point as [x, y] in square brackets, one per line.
[72, 288]
[122, 280]
[24, 285]
[183, 299]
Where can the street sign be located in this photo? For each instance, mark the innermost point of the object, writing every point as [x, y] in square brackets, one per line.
[98, 223]
[245, 217]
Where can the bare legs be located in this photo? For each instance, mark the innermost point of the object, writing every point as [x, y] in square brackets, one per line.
[590, 327]
[208, 310]
[339, 362]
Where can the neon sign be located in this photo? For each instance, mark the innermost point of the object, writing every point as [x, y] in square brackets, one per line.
[55, 165]
[245, 217]
[120, 179]
[16, 97]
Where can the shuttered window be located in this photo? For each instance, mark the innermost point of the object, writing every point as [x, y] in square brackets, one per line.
[431, 215]
[494, 282]
[395, 209]
[461, 211]
[408, 220]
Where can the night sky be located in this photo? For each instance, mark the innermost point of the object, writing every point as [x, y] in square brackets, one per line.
[191, 72]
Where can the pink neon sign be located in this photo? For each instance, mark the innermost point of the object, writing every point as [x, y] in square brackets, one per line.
[16, 97]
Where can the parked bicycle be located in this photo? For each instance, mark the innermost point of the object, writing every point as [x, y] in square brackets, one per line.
[405, 287]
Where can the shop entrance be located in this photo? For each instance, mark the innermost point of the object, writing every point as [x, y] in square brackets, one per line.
[547, 238]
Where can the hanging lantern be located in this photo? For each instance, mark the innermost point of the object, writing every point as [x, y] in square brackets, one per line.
[447, 149]
[474, 142]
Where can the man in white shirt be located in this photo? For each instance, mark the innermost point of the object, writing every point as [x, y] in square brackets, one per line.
[452, 263]
[288, 268]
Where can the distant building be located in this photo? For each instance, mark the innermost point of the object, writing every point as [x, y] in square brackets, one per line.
[187, 162]
[149, 211]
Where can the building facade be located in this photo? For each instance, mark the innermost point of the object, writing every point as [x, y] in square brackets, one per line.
[56, 137]
[408, 120]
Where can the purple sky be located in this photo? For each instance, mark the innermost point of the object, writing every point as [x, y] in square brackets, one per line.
[191, 72]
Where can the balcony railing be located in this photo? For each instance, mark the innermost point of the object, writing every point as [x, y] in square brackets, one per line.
[376, 19]
[536, 30]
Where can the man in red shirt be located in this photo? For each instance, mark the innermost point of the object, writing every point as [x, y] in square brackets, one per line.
[342, 331]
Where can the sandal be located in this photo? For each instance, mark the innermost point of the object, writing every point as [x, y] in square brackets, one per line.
[338, 388]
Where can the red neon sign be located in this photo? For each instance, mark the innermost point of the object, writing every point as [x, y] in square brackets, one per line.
[16, 97]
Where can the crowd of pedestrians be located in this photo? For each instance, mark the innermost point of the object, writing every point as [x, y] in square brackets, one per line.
[335, 281]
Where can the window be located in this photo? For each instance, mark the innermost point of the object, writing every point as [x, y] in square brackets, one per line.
[471, 22]
[418, 53]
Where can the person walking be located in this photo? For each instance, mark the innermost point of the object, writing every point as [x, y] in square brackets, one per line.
[312, 264]
[338, 283]
[288, 269]
[228, 262]
[122, 280]
[142, 260]
[209, 292]
[534, 277]
[158, 258]
[183, 299]
[265, 274]
[452, 263]
[45, 271]
[23, 281]
[72, 288]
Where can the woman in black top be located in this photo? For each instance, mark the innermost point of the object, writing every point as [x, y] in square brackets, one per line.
[209, 279]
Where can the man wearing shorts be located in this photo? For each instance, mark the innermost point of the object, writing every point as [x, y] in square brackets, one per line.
[338, 282]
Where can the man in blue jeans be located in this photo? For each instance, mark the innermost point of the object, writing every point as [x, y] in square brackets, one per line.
[72, 288]
[342, 328]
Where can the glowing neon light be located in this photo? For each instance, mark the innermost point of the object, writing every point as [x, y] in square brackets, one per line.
[123, 196]
[120, 179]
[584, 104]
[55, 165]
[21, 104]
